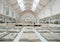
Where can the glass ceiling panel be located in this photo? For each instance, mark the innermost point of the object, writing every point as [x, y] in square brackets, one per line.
[35, 3]
[21, 4]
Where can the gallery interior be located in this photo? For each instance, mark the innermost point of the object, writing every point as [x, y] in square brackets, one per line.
[29, 20]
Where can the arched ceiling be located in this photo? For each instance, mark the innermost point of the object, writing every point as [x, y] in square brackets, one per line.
[34, 5]
[27, 16]
[28, 11]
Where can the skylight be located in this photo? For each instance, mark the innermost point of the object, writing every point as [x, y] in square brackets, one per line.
[21, 4]
[35, 3]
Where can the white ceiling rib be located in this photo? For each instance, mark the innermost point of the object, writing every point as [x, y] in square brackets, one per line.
[21, 4]
[33, 5]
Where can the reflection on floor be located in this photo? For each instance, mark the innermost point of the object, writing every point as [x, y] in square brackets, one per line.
[29, 34]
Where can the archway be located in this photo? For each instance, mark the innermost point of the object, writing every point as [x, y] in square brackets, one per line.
[28, 16]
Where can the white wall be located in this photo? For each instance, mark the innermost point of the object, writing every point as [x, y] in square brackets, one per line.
[56, 7]
[4, 6]
[52, 8]
[1, 6]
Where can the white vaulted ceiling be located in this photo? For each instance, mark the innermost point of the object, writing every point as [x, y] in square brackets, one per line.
[32, 5]
[25, 5]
